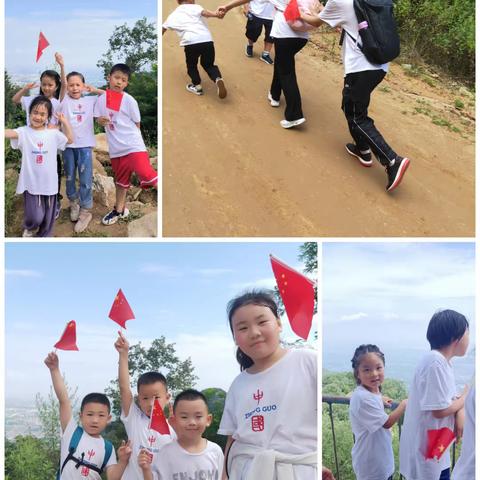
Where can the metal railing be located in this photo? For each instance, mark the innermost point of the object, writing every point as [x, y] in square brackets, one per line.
[346, 401]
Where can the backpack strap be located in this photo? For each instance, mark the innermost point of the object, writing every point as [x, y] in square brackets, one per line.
[72, 446]
[342, 38]
[108, 453]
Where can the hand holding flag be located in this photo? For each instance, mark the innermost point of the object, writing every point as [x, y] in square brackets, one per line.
[68, 341]
[121, 311]
[298, 296]
[158, 422]
[42, 45]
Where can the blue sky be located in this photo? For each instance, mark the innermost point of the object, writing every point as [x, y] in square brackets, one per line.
[177, 290]
[78, 30]
[386, 293]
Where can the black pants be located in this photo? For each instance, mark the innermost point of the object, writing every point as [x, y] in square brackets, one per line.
[445, 475]
[284, 76]
[206, 52]
[254, 28]
[357, 89]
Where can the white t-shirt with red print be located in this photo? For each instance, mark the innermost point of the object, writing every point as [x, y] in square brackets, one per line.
[26, 102]
[141, 437]
[93, 449]
[123, 135]
[276, 409]
[79, 112]
[38, 173]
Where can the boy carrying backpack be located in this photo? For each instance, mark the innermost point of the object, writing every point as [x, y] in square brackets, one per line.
[370, 42]
[85, 454]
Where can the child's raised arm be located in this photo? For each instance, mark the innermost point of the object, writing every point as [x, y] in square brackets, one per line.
[126, 396]
[115, 472]
[11, 134]
[17, 98]
[394, 417]
[95, 90]
[223, 9]
[63, 77]
[210, 14]
[60, 389]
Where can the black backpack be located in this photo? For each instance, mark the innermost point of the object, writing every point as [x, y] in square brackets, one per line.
[377, 29]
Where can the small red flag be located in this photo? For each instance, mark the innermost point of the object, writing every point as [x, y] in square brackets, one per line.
[298, 296]
[158, 422]
[121, 311]
[292, 11]
[42, 45]
[68, 341]
[439, 442]
[114, 100]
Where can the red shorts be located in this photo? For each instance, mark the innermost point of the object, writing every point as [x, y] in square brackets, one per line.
[136, 162]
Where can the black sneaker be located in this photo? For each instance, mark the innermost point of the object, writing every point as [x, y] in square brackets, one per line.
[249, 51]
[396, 172]
[365, 157]
[266, 58]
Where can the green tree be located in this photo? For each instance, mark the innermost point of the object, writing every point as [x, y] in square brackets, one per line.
[160, 356]
[216, 403]
[136, 46]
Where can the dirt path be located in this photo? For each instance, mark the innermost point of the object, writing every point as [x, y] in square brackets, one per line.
[229, 169]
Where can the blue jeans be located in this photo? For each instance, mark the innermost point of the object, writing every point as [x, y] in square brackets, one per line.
[79, 159]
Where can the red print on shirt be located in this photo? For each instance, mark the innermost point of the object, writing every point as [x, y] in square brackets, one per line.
[151, 440]
[85, 471]
[258, 423]
[258, 395]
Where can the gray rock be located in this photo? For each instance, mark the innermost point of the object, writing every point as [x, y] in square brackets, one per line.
[145, 226]
[103, 190]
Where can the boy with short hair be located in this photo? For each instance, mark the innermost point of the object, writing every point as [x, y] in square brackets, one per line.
[360, 80]
[188, 22]
[126, 147]
[191, 455]
[433, 403]
[136, 416]
[84, 453]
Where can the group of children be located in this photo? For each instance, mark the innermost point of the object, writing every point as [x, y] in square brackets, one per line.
[267, 429]
[61, 118]
[433, 405]
[360, 79]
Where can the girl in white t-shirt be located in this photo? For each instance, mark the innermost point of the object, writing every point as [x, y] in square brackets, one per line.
[372, 453]
[38, 179]
[262, 417]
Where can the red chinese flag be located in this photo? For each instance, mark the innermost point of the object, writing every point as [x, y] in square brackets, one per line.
[121, 311]
[68, 341]
[158, 422]
[114, 100]
[292, 12]
[297, 294]
[439, 442]
[42, 45]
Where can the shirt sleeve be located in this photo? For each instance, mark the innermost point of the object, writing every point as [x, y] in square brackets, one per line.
[332, 14]
[134, 111]
[97, 108]
[436, 392]
[228, 424]
[17, 143]
[61, 140]
[371, 414]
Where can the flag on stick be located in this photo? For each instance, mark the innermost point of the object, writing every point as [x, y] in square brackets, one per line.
[114, 100]
[438, 442]
[298, 296]
[121, 311]
[42, 45]
[292, 11]
[68, 341]
[158, 422]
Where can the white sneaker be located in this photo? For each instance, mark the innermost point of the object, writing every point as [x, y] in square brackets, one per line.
[84, 219]
[196, 89]
[273, 103]
[293, 123]
[74, 210]
[28, 233]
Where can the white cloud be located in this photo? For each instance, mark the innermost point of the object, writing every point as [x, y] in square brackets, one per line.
[212, 272]
[259, 283]
[353, 316]
[23, 273]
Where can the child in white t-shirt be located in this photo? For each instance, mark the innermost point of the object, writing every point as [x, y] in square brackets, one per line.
[187, 20]
[372, 453]
[433, 403]
[191, 455]
[126, 147]
[259, 15]
[264, 419]
[136, 415]
[38, 179]
[85, 454]
[78, 156]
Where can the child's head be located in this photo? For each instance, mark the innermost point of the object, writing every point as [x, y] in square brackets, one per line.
[255, 326]
[190, 410]
[75, 84]
[40, 111]
[50, 84]
[368, 365]
[119, 77]
[151, 386]
[95, 413]
[448, 328]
